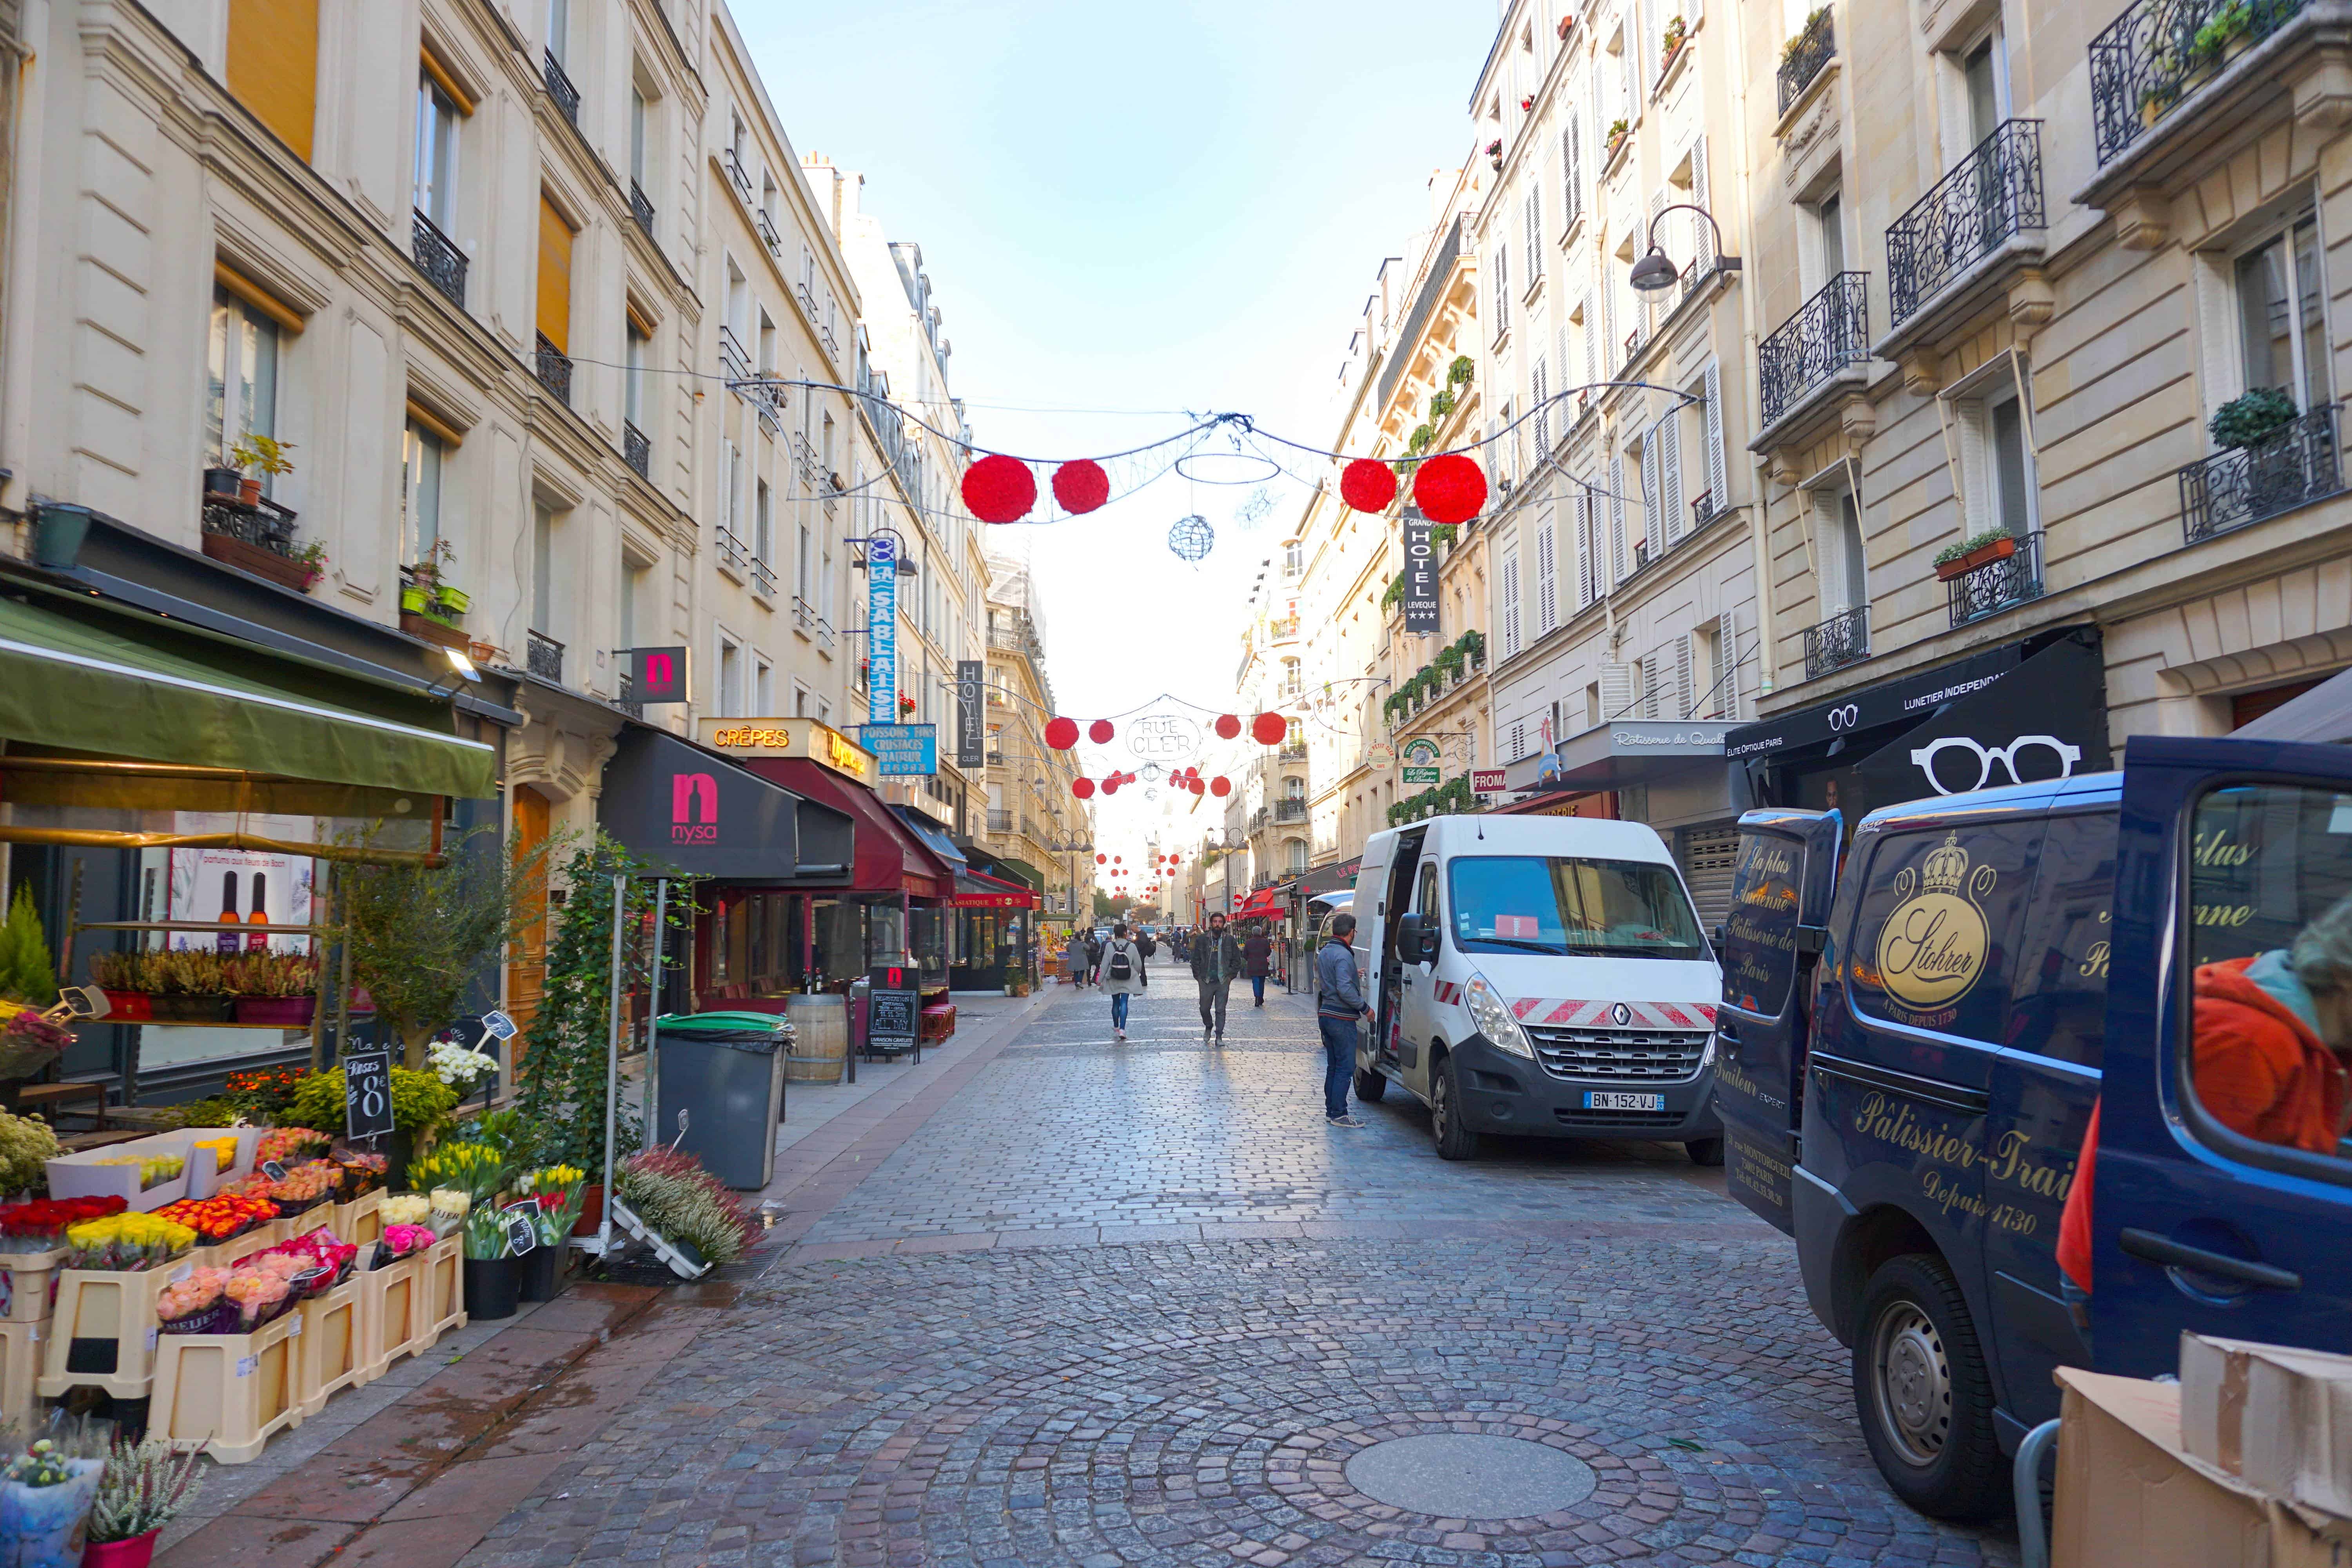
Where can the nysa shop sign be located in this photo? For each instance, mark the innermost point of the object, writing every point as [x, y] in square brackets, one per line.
[695, 814]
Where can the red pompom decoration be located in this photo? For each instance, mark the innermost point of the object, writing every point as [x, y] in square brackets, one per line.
[1114, 859]
[1449, 488]
[1268, 728]
[1100, 731]
[1061, 733]
[1228, 726]
[1110, 784]
[1221, 786]
[1082, 788]
[1081, 485]
[1102, 859]
[999, 488]
[1368, 485]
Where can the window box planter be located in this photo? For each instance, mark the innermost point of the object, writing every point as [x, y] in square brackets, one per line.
[1983, 555]
[433, 631]
[286, 1012]
[261, 562]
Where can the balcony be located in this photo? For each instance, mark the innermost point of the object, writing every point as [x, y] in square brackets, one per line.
[2294, 464]
[637, 450]
[1002, 821]
[733, 162]
[2160, 53]
[560, 87]
[768, 234]
[555, 371]
[1282, 630]
[1290, 811]
[730, 550]
[1805, 56]
[1290, 754]
[1829, 331]
[803, 613]
[733, 362]
[1258, 819]
[641, 208]
[1997, 585]
[258, 537]
[1991, 197]
[1841, 640]
[621, 697]
[439, 258]
[543, 657]
[763, 578]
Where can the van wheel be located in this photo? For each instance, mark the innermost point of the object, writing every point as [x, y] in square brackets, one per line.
[1370, 1086]
[1704, 1151]
[1922, 1391]
[1455, 1142]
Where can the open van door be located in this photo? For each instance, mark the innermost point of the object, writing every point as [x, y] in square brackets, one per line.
[2222, 1192]
[1781, 890]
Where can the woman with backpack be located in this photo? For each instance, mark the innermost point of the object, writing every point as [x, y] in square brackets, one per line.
[1121, 974]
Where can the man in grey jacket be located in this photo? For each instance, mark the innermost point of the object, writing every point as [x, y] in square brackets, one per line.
[1339, 1003]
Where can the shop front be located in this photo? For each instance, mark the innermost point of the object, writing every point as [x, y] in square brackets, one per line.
[1010, 942]
[2021, 712]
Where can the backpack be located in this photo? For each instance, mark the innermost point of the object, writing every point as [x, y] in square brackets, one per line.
[1121, 970]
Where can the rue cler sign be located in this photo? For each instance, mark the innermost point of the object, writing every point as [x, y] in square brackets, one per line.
[820, 743]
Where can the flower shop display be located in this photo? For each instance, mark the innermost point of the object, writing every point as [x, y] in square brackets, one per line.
[263, 1094]
[359, 1173]
[305, 1186]
[198, 1304]
[28, 1042]
[291, 1146]
[673, 1194]
[449, 1208]
[463, 1070]
[224, 1217]
[493, 1275]
[324, 1254]
[406, 1208]
[45, 1497]
[155, 1170]
[125, 1243]
[420, 1102]
[142, 1488]
[261, 1290]
[178, 986]
[40, 1225]
[222, 1149]
[403, 1241]
[27, 1145]
[478, 1169]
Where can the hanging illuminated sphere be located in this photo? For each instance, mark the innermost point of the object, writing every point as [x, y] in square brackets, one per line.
[1114, 860]
[1061, 733]
[1081, 486]
[1102, 859]
[1221, 786]
[1228, 726]
[1268, 728]
[1082, 788]
[999, 488]
[1192, 538]
[1449, 488]
[1368, 485]
[1110, 784]
[1100, 731]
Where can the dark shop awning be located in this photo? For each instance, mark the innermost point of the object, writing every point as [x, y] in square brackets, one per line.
[703, 816]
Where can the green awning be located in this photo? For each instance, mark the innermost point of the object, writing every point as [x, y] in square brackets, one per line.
[83, 685]
[1021, 871]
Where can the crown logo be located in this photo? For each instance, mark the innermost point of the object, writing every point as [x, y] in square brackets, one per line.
[1944, 869]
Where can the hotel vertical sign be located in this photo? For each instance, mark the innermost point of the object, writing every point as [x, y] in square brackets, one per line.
[1419, 575]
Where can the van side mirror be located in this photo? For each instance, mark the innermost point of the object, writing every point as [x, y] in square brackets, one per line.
[1416, 939]
[1717, 935]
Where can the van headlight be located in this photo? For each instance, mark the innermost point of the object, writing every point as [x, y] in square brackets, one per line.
[1494, 1019]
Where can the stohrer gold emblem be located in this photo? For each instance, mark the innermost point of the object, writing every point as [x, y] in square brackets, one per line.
[1932, 947]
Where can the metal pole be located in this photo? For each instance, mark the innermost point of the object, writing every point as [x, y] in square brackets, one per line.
[653, 997]
[612, 1068]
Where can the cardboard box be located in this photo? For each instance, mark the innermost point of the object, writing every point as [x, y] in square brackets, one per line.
[2277, 1417]
[2129, 1496]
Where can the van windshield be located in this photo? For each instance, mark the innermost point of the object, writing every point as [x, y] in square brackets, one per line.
[1540, 903]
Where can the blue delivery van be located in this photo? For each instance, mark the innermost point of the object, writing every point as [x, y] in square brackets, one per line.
[1916, 1024]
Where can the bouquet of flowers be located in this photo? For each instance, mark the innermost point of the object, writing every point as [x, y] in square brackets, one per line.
[27, 1144]
[153, 1171]
[476, 1170]
[41, 1226]
[460, 1069]
[450, 1207]
[560, 1191]
[198, 1304]
[223, 1151]
[126, 1242]
[358, 1173]
[220, 1217]
[288, 1144]
[260, 1293]
[485, 1234]
[401, 1240]
[45, 1496]
[298, 1189]
[29, 1042]
[321, 1251]
[406, 1208]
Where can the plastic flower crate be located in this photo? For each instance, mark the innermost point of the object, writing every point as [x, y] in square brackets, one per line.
[360, 1221]
[395, 1315]
[28, 1285]
[328, 1349]
[20, 1369]
[235, 1249]
[443, 1267]
[205, 1175]
[226, 1394]
[83, 1174]
[103, 1332]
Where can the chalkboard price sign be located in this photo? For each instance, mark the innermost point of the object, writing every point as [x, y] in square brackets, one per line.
[273, 1170]
[367, 1094]
[892, 1010]
[522, 1235]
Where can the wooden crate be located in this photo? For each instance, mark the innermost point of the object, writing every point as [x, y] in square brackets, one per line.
[443, 1270]
[225, 1394]
[395, 1317]
[103, 1332]
[328, 1350]
[29, 1285]
[20, 1368]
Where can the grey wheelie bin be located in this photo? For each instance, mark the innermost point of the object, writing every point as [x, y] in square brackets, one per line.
[719, 1080]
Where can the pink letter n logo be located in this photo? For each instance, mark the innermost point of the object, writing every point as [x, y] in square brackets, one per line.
[693, 808]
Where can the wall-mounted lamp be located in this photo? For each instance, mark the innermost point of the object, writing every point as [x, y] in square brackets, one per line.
[1654, 272]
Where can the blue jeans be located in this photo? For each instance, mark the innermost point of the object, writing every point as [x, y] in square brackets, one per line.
[1257, 988]
[1338, 1063]
[1119, 1010]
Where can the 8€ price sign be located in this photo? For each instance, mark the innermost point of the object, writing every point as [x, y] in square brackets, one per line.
[367, 1094]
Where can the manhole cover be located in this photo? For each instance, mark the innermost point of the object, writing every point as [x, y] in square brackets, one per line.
[1457, 1476]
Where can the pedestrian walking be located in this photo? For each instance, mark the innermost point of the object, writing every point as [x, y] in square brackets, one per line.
[1257, 957]
[1094, 953]
[1074, 959]
[1216, 960]
[1339, 1006]
[1121, 974]
[1143, 940]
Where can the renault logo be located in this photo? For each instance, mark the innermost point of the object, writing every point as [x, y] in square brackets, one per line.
[1621, 1014]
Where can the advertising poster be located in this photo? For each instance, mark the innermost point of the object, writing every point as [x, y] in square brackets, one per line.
[252, 888]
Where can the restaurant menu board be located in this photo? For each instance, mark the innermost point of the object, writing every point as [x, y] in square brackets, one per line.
[893, 1010]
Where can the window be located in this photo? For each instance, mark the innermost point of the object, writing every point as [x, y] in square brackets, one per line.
[637, 135]
[436, 152]
[1502, 259]
[1845, 576]
[554, 277]
[633, 588]
[1541, 407]
[1985, 72]
[542, 569]
[763, 524]
[1996, 464]
[1509, 588]
[763, 690]
[1932, 939]
[1559, 905]
[421, 455]
[1293, 559]
[242, 378]
[2058, 999]
[632, 377]
[1547, 578]
[559, 30]
[2282, 319]
[1759, 939]
[801, 585]
[1829, 216]
[273, 66]
[1535, 237]
[731, 678]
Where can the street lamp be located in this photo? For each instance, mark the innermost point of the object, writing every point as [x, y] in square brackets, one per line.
[1654, 271]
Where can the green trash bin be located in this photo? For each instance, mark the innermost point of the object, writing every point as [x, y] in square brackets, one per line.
[719, 1091]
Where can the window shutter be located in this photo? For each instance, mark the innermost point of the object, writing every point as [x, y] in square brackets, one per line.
[1670, 474]
[1571, 181]
[1728, 658]
[1647, 53]
[1502, 286]
[1650, 235]
[1718, 469]
[1519, 742]
[1702, 232]
[1608, 319]
[1652, 533]
[1646, 671]
[1587, 550]
[1617, 516]
[1683, 659]
[1510, 604]
[273, 66]
[1591, 340]
[1616, 691]
[554, 277]
[1540, 406]
[1976, 509]
[1547, 578]
[1630, 57]
[1535, 234]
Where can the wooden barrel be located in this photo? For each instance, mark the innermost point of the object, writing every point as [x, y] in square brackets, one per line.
[821, 1038]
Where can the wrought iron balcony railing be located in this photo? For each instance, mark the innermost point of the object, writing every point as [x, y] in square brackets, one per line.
[439, 258]
[1296, 753]
[733, 362]
[1997, 585]
[560, 87]
[1000, 821]
[1805, 56]
[543, 657]
[1290, 811]
[621, 697]
[641, 208]
[763, 578]
[2160, 52]
[555, 371]
[1988, 197]
[736, 175]
[730, 549]
[766, 227]
[637, 450]
[1841, 640]
[1829, 331]
[2297, 462]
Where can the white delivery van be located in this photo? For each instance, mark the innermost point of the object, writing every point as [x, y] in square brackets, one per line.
[1542, 976]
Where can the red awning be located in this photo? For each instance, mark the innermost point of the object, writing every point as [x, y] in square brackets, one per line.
[977, 890]
[1267, 903]
[888, 856]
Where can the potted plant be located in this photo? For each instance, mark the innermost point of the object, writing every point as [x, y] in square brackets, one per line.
[278, 988]
[144, 1487]
[174, 985]
[1796, 41]
[493, 1276]
[1567, 25]
[2226, 33]
[1618, 131]
[2254, 417]
[906, 705]
[420, 1108]
[259, 456]
[1978, 550]
[1677, 34]
[1459, 372]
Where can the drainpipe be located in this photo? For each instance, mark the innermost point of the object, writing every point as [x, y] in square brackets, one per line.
[1759, 529]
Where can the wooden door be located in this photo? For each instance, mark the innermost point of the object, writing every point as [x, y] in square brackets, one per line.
[527, 974]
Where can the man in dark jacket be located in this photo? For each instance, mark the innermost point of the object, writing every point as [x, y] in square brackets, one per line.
[1339, 1003]
[1216, 960]
[1257, 957]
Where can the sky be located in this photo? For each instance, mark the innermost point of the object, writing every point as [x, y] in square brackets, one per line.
[1130, 212]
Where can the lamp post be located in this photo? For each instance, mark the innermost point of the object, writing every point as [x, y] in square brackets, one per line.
[1654, 272]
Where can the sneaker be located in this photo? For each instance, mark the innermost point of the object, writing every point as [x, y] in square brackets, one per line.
[1220, 1042]
[1122, 1035]
[1343, 1122]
